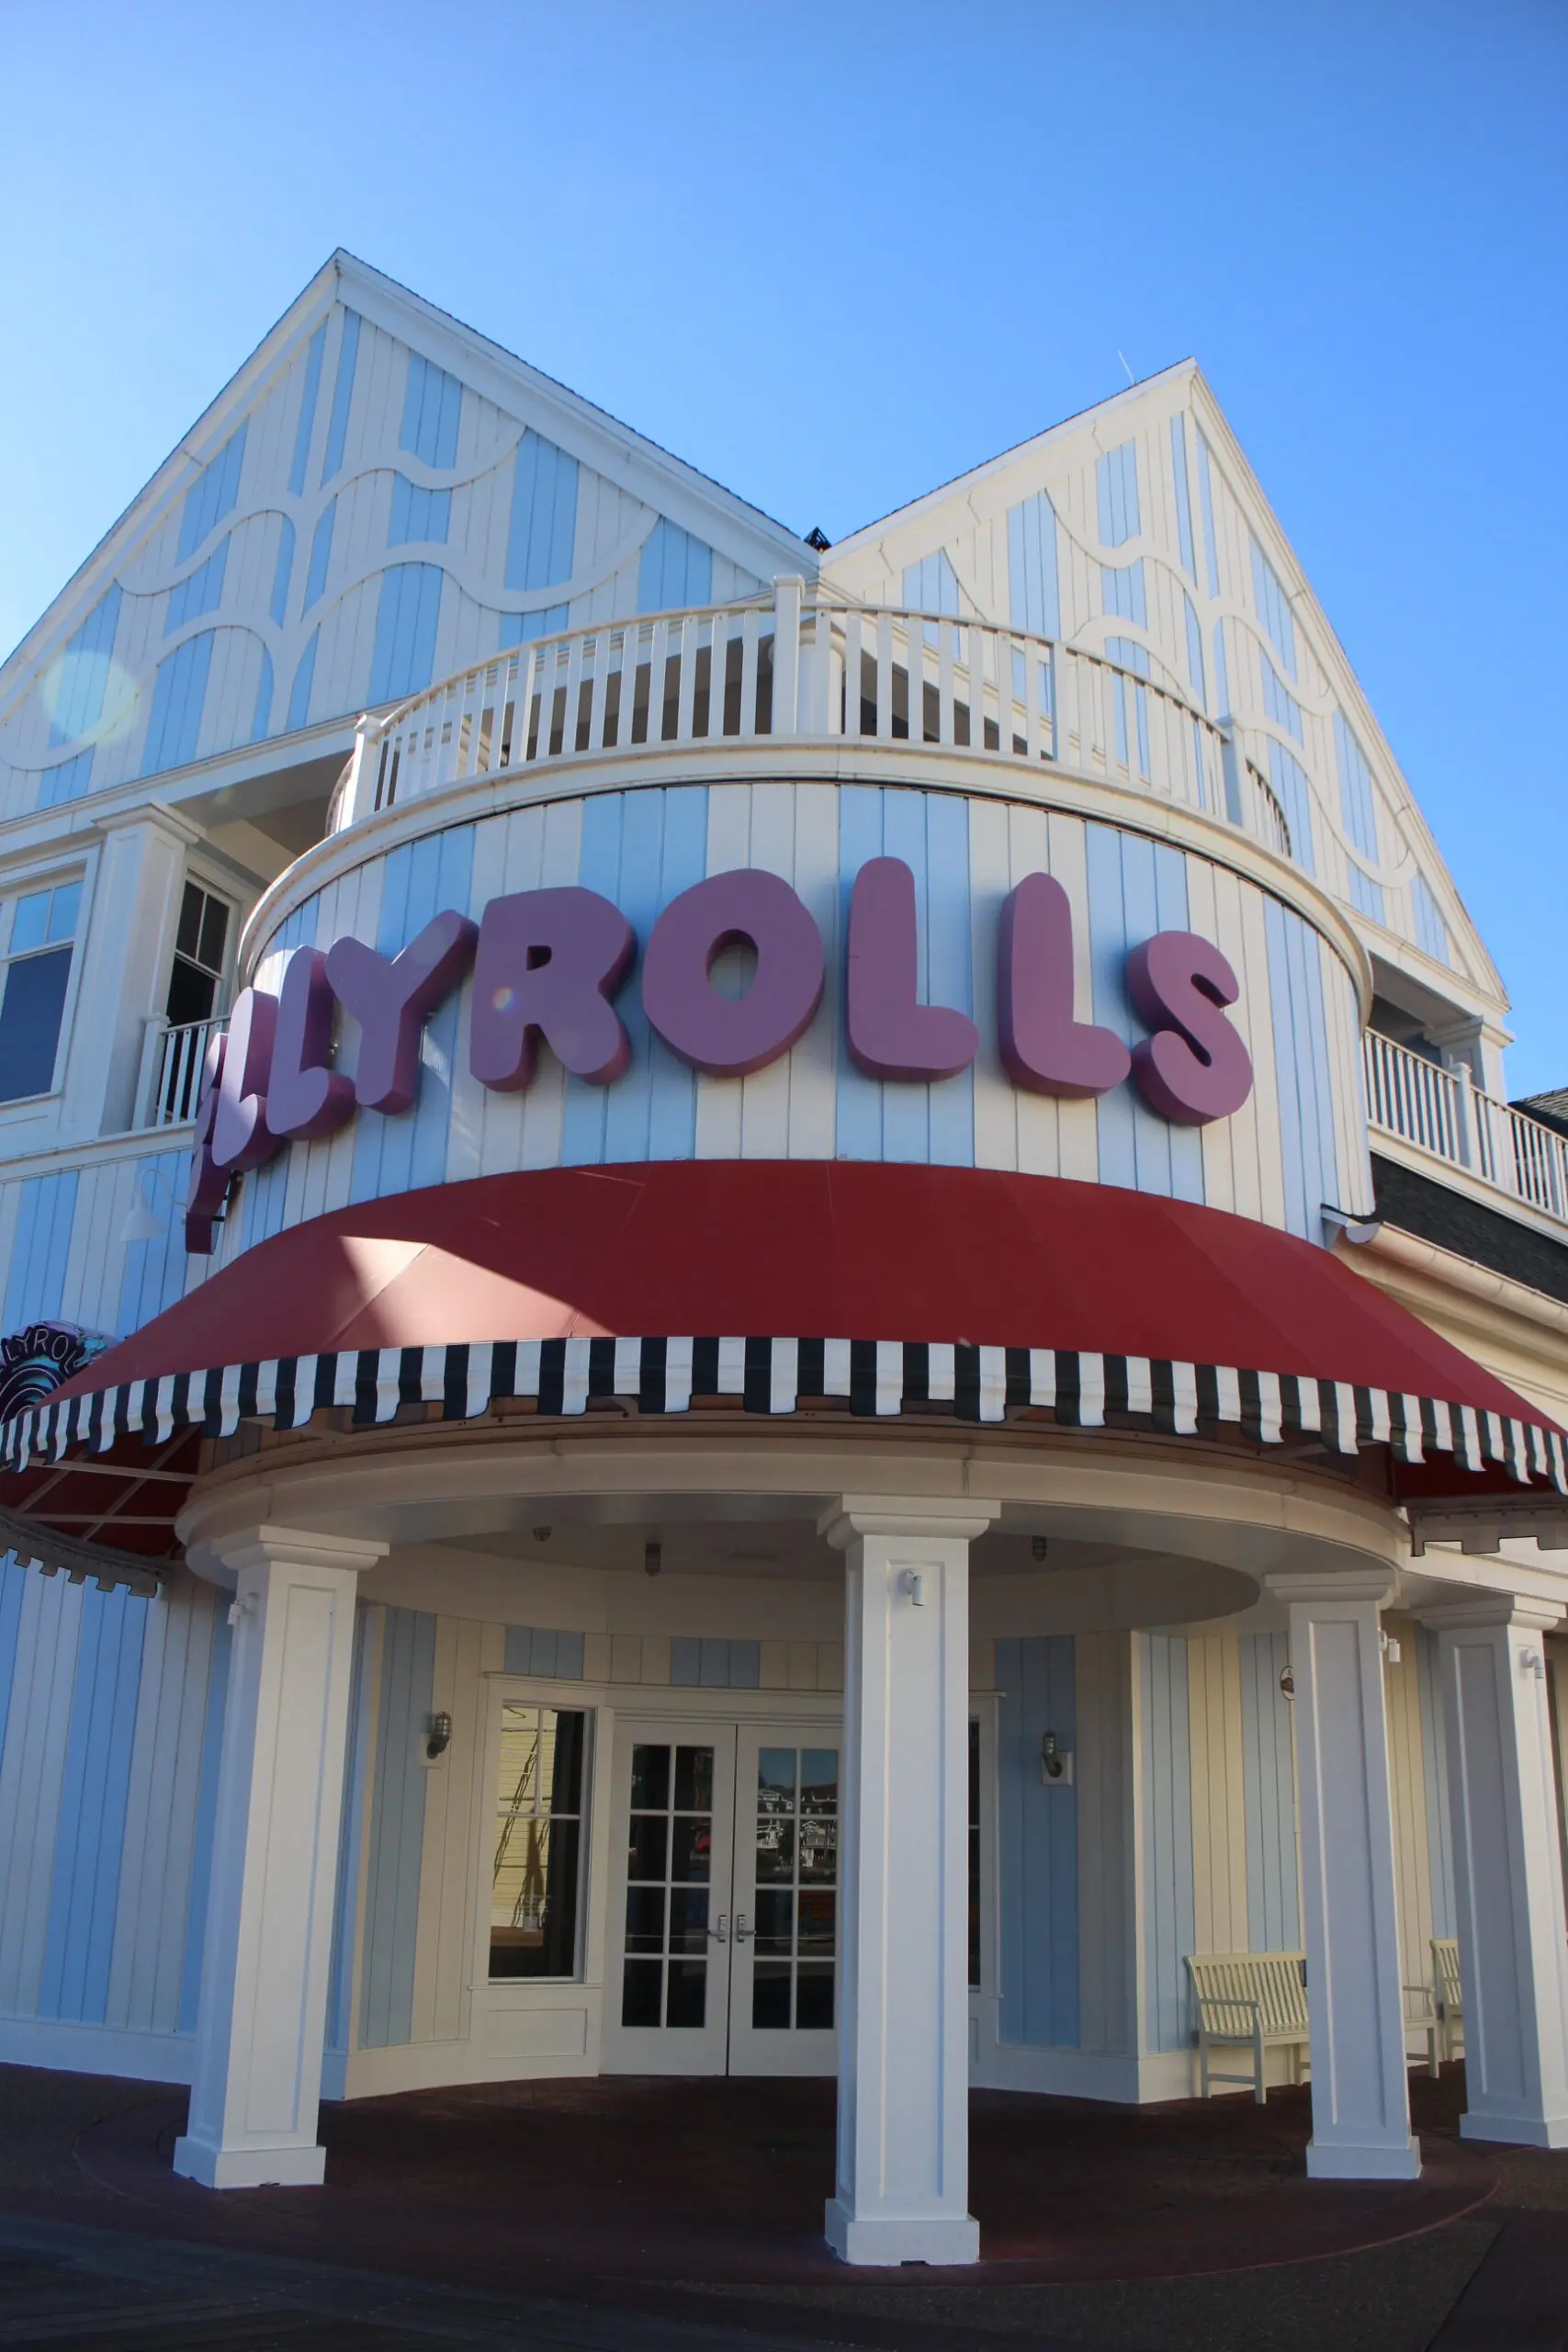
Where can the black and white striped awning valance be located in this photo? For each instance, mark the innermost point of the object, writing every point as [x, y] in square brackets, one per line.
[869, 1377]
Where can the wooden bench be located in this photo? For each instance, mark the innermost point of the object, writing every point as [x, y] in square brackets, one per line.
[1249, 2000]
[1451, 1995]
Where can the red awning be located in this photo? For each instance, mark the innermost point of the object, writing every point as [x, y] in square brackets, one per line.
[882, 1285]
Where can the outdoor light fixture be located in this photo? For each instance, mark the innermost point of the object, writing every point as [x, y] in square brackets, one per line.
[653, 1559]
[1287, 1682]
[912, 1585]
[142, 1222]
[438, 1736]
[1037, 1545]
[541, 1534]
[1055, 1762]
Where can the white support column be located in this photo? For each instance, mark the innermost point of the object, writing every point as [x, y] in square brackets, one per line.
[903, 2160]
[1360, 2095]
[263, 2009]
[1507, 1867]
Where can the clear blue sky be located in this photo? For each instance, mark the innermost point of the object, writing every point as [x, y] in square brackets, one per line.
[834, 254]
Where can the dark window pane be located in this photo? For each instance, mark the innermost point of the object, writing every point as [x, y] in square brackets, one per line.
[647, 1847]
[188, 939]
[770, 1997]
[650, 1779]
[774, 1924]
[814, 2000]
[191, 994]
[974, 1853]
[693, 1779]
[557, 1955]
[687, 2002]
[692, 1856]
[639, 1992]
[645, 1918]
[566, 1771]
[775, 1847]
[214, 934]
[29, 1023]
[818, 1851]
[775, 1780]
[819, 1780]
[817, 1920]
[689, 1919]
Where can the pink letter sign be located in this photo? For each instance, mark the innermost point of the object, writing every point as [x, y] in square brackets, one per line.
[1041, 1045]
[546, 966]
[241, 1135]
[891, 1033]
[305, 1096]
[391, 998]
[729, 1036]
[1194, 1067]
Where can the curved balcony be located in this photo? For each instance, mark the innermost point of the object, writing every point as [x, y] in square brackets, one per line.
[803, 667]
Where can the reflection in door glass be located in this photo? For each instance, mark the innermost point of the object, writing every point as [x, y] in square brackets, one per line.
[668, 1861]
[797, 1876]
[533, 1913]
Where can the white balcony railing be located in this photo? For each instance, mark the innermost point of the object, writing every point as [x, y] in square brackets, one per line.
[800, 667]
[1442, 1111]
[169, 1077]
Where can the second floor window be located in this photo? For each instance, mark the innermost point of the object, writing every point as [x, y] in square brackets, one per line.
[38, 929]
[197, 966]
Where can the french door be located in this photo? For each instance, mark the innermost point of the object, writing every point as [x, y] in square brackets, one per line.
[722, 1949]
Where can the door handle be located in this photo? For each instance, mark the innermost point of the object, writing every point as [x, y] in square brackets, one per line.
[741, 1929]
[720, 1931]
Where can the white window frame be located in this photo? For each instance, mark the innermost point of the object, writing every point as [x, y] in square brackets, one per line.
[12, 891]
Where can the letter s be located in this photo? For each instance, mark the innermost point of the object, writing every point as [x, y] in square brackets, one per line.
[1194, 1067]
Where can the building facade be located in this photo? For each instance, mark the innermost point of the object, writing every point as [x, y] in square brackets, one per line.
[768, 1308]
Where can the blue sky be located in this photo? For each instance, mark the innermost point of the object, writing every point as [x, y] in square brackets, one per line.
[834, 254]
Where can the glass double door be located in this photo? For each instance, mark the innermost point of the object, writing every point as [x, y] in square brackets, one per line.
[722, 1949]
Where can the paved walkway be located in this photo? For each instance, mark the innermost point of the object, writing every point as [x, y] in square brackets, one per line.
[657, 2214]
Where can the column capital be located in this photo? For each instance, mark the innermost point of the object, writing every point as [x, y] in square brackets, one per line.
[1305, 1585]
[955, 1517]
[267, 1546]
[1480, 1610]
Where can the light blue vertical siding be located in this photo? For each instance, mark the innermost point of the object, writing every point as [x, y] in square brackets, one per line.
[543, 534]
[1183, 495]
[13, 1590]
[1166, 1842]
[206, 1818]
[640, 850]
[342, 395]
[1269, 1786]
[320, 554]
[179, 696]
[933, 1124]
[1293, 793]
[261, 717]
[675, 569]
[1435, 1768]
[522, 628]
[212, 495]
[1358, 805]
[418, 515]
[199, 591]
[1037, 1845]
[282, 572]
[155, 1272]
[40, 1249]
[1123, 592]
[1116, 488]
[1196, 676]
[1278, 703]
[1431, 931]
[79, 679]
[1206, 503]
[309, 391]
[304, 680]
[400, 1153]
[1273, 608]
[90, 1831]
[432, 412]
[67, 780]
[1302, 1081]
[407, 617]
[931, 586]
[396, 1830]
[1034, 593]
[1135, 887]
[539, 1649]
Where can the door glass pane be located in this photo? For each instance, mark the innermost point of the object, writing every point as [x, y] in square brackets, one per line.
[668, 1861]
[974, 1853]
[538, 1831]
[796, 1897]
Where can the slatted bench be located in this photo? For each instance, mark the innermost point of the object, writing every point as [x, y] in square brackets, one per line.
[1249, 2000]
[1450, 1992]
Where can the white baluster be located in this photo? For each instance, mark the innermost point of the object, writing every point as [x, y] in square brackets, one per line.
[788, 590]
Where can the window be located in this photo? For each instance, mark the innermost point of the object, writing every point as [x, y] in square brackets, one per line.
[538, 1838]
[197, 966]
[36, 971]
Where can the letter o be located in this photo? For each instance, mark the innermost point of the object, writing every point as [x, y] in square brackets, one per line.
[731, 1037]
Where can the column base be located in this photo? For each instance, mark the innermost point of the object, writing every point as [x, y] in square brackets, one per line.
[1516, 2130]
[884, 2239]
[249, 2167]
[1341, 2163]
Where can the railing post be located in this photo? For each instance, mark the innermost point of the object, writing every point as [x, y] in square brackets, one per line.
[1465, 1137]
[361, 769]
[788, 590]
[155, 1028]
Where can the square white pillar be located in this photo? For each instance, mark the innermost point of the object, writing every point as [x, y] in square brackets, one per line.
[262, 2013]
[1360, 2093]
[903, 2149]
[1507, 1867]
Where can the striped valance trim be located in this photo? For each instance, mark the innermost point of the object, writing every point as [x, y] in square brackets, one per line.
[871, 1376]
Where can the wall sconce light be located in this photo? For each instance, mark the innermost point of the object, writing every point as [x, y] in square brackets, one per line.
[653, 1559]
[1287, 1682]
[912, 1585]
[438, 1736]
[1037, 1547]
[1391, 1649]
[1055, 1762]
[143, 1221]
[541, 1534]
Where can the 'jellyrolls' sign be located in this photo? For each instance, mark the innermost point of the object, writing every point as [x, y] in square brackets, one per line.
[548, 965]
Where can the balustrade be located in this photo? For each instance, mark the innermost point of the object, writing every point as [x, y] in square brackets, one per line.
[1439, 1108]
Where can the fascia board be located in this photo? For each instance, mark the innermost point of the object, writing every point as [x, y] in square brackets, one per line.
[1214, 425]
[622, 456]
[992, 475]
[174, 477]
